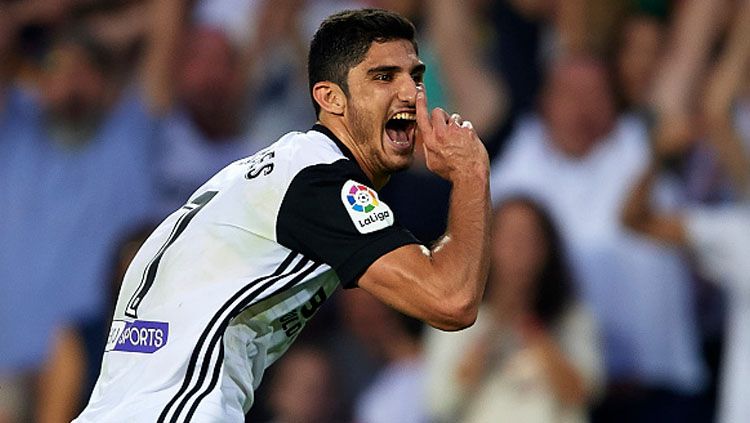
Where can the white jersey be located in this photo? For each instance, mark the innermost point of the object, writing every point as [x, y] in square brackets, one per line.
[223, 286]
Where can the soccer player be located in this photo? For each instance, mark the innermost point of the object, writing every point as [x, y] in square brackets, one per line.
[223, 286]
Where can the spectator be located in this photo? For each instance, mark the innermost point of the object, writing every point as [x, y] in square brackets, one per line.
[303, 387]
[719, 236]
[77, 151]
[227, 92]
[578, 160]
[397, 391]
[74, 361]
[75, 160]
[533, 355]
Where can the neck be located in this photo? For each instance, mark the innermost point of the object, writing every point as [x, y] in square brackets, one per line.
[342, 132]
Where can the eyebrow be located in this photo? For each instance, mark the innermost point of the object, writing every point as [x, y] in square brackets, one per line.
[420, 68]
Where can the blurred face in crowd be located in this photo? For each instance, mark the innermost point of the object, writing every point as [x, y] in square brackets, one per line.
[519, 251]
[380, 109]
[641, 45]
[75, 92]
[369, 320]
[578, 105]
[210, 79]
[302, 387]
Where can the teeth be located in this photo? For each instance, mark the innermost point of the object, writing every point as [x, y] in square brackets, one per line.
[405, 116]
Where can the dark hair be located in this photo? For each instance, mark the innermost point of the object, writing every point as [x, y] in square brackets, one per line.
[553, 290]
[343, 40]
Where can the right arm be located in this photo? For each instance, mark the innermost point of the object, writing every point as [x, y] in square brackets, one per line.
[166, 28]
[443, 285]
[724, 86]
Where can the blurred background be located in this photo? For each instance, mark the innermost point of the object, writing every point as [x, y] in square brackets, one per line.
[112, 112]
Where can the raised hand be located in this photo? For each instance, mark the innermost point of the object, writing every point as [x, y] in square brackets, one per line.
[452, 148]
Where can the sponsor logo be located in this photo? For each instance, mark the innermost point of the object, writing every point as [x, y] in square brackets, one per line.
[141, 336]
[367, 212]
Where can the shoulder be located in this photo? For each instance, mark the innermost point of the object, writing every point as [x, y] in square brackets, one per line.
[303, 149]
[310, 159]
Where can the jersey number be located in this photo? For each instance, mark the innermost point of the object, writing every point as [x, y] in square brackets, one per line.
[149, 274]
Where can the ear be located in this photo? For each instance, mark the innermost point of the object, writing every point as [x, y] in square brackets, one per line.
[330, 97]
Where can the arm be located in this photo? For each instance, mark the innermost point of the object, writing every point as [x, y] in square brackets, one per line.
[639, 214]
[164, 34]
[697, 25]
[723, 88]
[121, 29]
[443, 285]
[564, 378]
[473, 88]
[62, 378]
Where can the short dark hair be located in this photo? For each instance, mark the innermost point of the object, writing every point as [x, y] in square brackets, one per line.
[343, 40]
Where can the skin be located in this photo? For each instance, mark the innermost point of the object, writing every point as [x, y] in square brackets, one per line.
[519, 253]
[578, 105]
[441, 285]
[724, 85]
[74, 90]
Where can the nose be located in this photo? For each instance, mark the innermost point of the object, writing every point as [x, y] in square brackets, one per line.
[407, 91]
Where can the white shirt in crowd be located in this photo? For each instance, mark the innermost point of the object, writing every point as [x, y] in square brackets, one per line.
[629, 282]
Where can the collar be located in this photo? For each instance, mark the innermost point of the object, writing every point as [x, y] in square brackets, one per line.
[327, 132]
[344, 149]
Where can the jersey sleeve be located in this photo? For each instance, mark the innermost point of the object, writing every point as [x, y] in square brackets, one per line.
[331, 216]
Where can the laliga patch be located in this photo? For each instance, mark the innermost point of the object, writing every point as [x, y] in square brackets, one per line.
[367, 212]
[141, 336]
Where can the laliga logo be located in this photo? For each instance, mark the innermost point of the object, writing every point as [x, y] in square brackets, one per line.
[367, 212]
[362, 199]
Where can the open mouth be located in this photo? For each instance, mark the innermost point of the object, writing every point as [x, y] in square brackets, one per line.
[400, 129]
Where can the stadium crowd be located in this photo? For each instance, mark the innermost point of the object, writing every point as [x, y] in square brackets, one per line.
[112, 112]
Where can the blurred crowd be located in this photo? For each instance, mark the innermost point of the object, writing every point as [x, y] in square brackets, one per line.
[619, 134]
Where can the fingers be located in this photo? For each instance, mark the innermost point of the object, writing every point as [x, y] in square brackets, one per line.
[440, 118]
[458, 121]
[423, 120]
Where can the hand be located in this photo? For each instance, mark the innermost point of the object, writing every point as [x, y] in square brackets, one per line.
[452, 148]
[474, 364]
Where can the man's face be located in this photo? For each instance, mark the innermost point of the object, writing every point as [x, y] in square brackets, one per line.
[209, 79]
[74, 89]
[578, 106]
[380, 112]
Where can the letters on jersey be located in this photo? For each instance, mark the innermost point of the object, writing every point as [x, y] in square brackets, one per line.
[141, 336]
[234, 275]
[367, 212]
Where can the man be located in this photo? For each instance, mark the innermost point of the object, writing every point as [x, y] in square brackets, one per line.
[578, 158]
[75, 157]
[717, 235]
[223, 286]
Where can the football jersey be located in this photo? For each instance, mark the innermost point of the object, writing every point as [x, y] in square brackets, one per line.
[225, 284]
